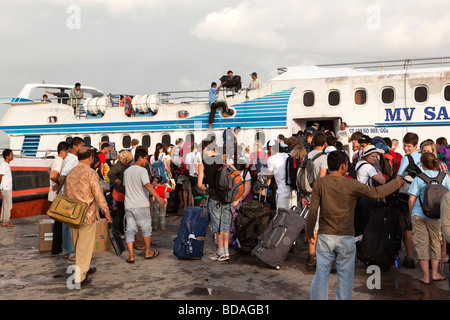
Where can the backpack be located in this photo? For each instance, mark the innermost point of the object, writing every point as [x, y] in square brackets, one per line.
[411, 172]
[229, 184]
[431, 202]
[387, 166]
[161, 170]
[305, 174]
[292, 166]
[354, 172]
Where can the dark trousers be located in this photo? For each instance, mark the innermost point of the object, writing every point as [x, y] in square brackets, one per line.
[57, 237]
[214, 107]
[119, 219]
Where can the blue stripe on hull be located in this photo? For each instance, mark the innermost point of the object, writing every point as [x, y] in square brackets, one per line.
[268, 111]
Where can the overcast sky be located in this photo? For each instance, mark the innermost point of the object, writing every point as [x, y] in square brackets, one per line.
[147, 46]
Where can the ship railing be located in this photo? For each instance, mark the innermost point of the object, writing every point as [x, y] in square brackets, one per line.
[22, 153]
[395, 64]
[187, 97]
[383, 65]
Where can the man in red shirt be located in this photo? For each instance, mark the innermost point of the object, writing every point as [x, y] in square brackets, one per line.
[397, 156]
[102, 155]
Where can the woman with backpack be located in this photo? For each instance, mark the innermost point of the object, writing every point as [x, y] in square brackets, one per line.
[161, 154]
[426, 232]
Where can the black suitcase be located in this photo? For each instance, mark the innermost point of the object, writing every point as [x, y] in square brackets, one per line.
[252, 220]
[117, 239]
[382, 238]
[277, 240]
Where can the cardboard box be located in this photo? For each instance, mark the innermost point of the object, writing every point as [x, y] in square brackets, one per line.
[45, 235]
[102, 241]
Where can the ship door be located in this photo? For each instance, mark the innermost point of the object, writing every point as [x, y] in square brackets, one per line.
[332, 124]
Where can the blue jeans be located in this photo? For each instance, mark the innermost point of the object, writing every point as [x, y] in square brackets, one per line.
[343, 250]
[67, 240]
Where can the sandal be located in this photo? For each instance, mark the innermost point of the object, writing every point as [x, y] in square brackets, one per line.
[421, 281]
[130, 261]
[7, 224]
[442, 278]
[155, 254]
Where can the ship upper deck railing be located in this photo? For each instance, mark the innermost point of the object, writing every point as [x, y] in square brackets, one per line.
[188, 96]
[383, 65]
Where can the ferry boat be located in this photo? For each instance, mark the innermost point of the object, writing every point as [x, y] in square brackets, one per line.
[382, 98]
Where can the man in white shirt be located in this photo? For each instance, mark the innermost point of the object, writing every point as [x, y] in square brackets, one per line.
[276, 165]
[55, 170]
[343, 136]
[6, 185]
[255, 83]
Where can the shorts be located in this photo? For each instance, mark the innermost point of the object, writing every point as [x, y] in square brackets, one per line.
[404, 216]
[426, 238]
[184, 182]
[220, 216]
[137, 218]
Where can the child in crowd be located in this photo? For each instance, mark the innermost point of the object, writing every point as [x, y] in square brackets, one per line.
[159, 212]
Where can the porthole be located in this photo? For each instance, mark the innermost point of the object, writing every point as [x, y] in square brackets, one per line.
[421, 94]
[146, 140]
[387, 95]
[360, 96]
[87, 141]
[166, 139]
[334, 98]
[308, 99]
[126, 141]
[447, 93]
[261, 137]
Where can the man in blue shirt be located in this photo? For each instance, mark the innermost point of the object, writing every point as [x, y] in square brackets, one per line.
[214, 104]
[410, 143]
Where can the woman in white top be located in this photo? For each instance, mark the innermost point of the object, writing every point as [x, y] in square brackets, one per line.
[365, 170]
[162, 154]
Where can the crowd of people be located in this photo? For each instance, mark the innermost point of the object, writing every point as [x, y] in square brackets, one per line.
[346, 169]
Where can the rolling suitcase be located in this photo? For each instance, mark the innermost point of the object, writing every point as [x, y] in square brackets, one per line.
[277, 240]
[252, 220]
[117, 239]
[191, 234]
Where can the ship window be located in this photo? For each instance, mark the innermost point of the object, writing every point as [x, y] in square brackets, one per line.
[360, 96]
[87, 141]
[105, 139]
[387, 95]
[308, 99]
[447, 93]
[334, 98]
[146, 140]
[261, 137]
[421, 94]
[189, 137]
[166, 139]
[126, 141]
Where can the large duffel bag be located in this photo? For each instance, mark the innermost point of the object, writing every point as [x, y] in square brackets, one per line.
[252, 220]
[382, 238]
[275, 243]
[191, 234]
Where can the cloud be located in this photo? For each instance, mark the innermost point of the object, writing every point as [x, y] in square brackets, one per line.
[325, 28]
